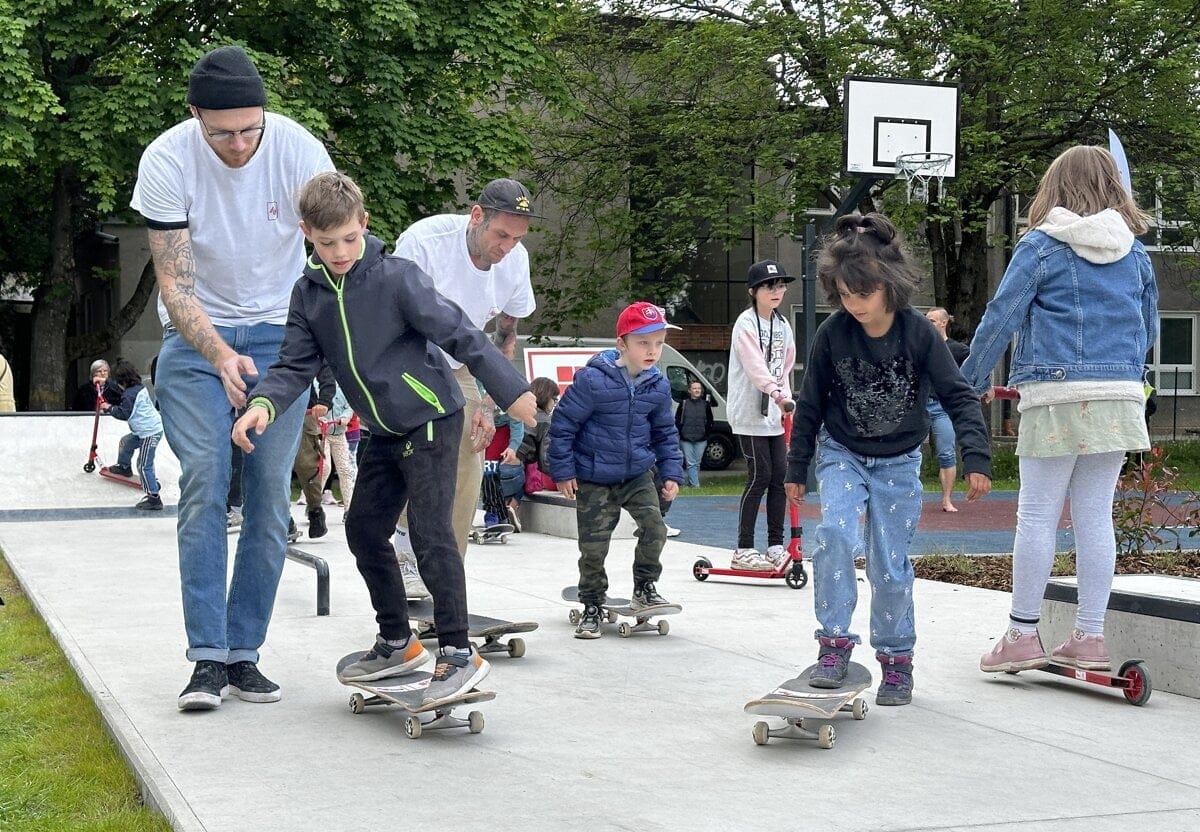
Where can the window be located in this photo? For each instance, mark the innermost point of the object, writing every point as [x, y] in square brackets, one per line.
[1172, 360]
[1165, 196]
[681, 379]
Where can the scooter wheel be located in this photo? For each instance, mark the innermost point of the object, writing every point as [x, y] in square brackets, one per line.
[796, 577]
[89, 467]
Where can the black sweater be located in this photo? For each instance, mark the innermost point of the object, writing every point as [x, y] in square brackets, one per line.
[870, 393]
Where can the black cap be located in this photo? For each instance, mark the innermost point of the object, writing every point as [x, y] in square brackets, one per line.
[765, 271]
[226, 79]
[508, 196]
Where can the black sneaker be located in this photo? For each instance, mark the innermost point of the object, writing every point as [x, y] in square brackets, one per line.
[247, 684]
[832, 661]
[589, 622]
[208, 686]
[293, 532]
[151, 502]
[646, 596]
[897, 685]
[316, 522]
[121, 470]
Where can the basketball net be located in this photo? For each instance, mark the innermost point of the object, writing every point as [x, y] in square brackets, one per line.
[919, 170]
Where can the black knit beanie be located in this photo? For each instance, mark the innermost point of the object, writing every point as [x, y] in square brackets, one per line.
[226, 79]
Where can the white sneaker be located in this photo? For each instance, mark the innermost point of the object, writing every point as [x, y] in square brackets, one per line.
[414, 587]
[402, 542]
[327, 498]
[750, 559]
[777, 555]
[233, 519]
[671, 531]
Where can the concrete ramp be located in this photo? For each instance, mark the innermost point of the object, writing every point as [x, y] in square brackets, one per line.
[44, 455]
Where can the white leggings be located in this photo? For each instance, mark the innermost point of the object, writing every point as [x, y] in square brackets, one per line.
[1090, 480]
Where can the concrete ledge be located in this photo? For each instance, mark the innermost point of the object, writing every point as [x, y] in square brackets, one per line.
[548, 512]
[1151, 617]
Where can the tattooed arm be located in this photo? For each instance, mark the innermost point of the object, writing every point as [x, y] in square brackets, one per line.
[174, 267]
[505, 337]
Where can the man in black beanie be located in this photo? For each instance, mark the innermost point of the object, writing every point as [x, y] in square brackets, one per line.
[217, 192]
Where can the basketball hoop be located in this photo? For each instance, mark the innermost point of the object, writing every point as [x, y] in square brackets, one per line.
[919, 169]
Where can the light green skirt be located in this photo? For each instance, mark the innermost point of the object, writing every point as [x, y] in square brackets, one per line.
[1082, 428]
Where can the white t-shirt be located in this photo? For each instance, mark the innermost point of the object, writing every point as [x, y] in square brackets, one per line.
[438, 244]
[243, 222]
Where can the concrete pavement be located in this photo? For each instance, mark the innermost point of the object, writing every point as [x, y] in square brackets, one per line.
[645, 733]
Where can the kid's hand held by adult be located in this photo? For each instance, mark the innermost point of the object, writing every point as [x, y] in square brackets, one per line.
[795, 492]
[670, 490]
[525, 409]
[980, 484]
[256, 418]
[567, 488]
[230, 370]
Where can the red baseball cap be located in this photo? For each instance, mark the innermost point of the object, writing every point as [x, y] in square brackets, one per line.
[640, 318]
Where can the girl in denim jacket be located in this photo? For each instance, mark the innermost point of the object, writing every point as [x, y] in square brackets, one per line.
[1080, 296]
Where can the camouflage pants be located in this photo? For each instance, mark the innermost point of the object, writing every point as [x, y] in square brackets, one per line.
[597, 510]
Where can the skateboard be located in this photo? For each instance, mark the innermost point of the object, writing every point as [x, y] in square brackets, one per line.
[490, 534]
[796, 700]
[491, 630]
[615, 607]
[109, 475]
[406, 692]
[1133, 679]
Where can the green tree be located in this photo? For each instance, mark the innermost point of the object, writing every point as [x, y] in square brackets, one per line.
[708, 87]
[410, 96]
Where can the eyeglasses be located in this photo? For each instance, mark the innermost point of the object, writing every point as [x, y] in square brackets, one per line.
[226, 135]
[771, 285]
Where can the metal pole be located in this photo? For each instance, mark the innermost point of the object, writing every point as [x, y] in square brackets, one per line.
[1174, 402]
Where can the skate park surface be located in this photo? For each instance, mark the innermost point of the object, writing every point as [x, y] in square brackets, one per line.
[644, 733]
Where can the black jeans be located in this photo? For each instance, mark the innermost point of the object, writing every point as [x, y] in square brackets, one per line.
[420, 469]
[766, 463]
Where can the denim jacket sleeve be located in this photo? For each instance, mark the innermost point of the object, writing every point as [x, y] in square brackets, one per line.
[1004, 315]
[1149, 297]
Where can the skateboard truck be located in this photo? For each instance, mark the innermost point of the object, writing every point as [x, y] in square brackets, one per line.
[413, 726]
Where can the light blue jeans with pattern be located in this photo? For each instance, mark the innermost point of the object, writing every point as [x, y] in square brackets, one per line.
[869, 508]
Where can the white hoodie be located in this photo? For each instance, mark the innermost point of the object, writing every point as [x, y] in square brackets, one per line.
[1097, 238]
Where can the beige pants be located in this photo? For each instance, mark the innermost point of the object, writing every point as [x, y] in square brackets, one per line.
[338, 453]
[470, 466]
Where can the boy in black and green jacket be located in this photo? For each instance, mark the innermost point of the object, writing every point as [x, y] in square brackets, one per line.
[374, 319]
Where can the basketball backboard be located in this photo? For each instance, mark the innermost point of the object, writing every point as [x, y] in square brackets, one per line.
[888, 117]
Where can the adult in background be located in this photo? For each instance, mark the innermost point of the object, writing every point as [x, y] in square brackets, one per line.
[218, 194]
[87, 393]
[941, 429]
[7, 403]
[477, 261]
[694, 419]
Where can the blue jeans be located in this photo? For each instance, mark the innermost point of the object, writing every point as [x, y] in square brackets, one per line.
[197, 418]
[941, 433]
[693, 452]
[146, 448]
[869, 508]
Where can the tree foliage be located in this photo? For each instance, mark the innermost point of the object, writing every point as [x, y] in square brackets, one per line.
[706, 88]
[412, 97]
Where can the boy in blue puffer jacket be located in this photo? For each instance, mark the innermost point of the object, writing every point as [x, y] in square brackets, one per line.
[610, 427]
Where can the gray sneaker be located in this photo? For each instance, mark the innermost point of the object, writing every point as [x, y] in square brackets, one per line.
[414, 587]
[589, 622]
[456, 672]
[896, 687]
[646, 596]
[832, 662]
[233, 519]
[384, 660]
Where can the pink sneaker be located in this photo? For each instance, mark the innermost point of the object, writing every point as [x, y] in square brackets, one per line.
[1083, 650]
[1013, 652]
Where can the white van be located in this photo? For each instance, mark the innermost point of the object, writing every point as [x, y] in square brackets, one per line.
[559, 357]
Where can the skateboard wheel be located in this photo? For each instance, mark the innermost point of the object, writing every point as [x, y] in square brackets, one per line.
[412, 727]
[357, 703]
[516, 649]
[1140, 684]
[761, 733]
[624, 630]
[826, 736]
[860, 709]
[573, 616]
[700, 569]
[664, 627]
[475, 722]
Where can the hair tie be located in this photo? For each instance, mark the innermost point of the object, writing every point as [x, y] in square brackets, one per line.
[860, 229]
